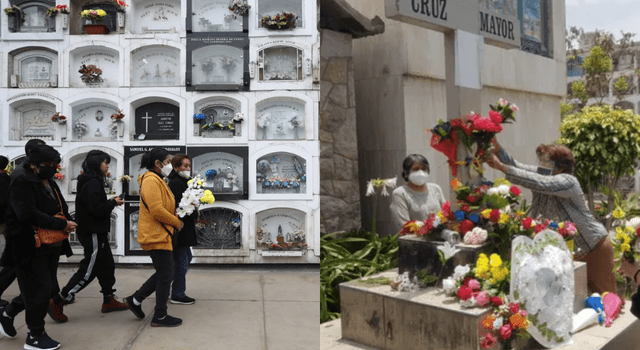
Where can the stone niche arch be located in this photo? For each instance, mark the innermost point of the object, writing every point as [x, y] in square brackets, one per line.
[76, 22]
[282, 118]
[32, 17]
[104, 57]
[282, 231]
[33, 67]
[157, 17]
[218, 109]
[155, 65]
[30, 118]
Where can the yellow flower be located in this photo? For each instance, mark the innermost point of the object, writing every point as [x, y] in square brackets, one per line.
[504, 218]
[618, 213]
[200, 184]
[561, 225]
[626, 239]
[619, 233]
[519, 213]
[101, 13]
[486, 213]
[455, 184]
[625, 247]
[496, 261]
[189, 182]
[443, 218]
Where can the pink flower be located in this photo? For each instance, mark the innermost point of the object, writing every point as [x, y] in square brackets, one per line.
[505, 332]
[496, 301]
[488, 341]
[570, 227]
[514, 308]
[482, 298]
[523, 313]
[496, 117]
[503, 102]
[514, 108]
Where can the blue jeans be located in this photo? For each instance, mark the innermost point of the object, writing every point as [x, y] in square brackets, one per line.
[182, 257]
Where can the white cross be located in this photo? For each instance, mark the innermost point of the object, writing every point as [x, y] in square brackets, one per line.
[147, 122]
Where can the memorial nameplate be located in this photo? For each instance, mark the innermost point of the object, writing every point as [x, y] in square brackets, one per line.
[155, 66]
[103, 58]
[217, 63]
[36, 69]
[281, 173]
[157, 121]
[214, 16]
[280, 120]
[219, 228]
[284, 228]
[92, 122]
[158, 17]
[280, 63]
[32, 120]
[224, 168]
[274, 7]
[131, 214]
[133, 156]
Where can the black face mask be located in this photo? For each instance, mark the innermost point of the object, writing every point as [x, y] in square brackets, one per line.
[46, 172]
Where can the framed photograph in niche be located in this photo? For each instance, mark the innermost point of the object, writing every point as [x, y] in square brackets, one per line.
[280, 63]
[133, 156]
[208, 16]
[157, 121]
[280, 119]
[92, 122]
[94, 67]
[281, 173]
[31, 119]
[155, 66]
[218, 118]
[219, 228]
[277, 7]
[131, 214]
[158, 17]
[281, 229]
[224, 168]
[217, 63]
[34, 68]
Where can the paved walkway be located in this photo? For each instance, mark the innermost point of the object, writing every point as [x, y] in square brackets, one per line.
[237, 308]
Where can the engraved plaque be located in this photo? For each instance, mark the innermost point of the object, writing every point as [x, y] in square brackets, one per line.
[32, 120]
[280, 120]
[224, 168]
[105, 59]
[92, 122]
[157, 121]
[158, 17]
[155, 66]
[36, 68]
[280, 63]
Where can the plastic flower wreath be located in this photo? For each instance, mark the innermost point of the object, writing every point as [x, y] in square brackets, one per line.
[199, 117]
[210, 174]
[58, 175]
[239, 8]
[90, 73]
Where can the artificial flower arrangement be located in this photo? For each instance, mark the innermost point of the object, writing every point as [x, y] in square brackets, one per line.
[117, 116]
[80, 127]
[90, 74]
[59, 118]
[218, 126]
[51, 12]
[283, 20]
[194, 196]
[281, 182]
[199, 118]
[239, 8]
[64, 9]
[122, 6]
[207, 65]
[626, 242]
[471, 129]
[58, 175]
[94, 15]
[228, 63]
[12, 11]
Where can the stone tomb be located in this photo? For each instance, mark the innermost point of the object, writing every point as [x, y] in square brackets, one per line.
[224, 168]
[213, 16]
[157, 17]
[219, 228]
[32, 119]
[92, 122]
[280, 119]
[103, 58]
[133, 156]
[34, 68]
[157, 121]
[155, 66]
[283, 227]
[217, 63]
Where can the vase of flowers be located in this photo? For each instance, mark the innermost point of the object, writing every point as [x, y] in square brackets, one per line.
[90, 74]
[121, 8]
[81, 128]
[63, 10]
[91, 18]
[280, 21]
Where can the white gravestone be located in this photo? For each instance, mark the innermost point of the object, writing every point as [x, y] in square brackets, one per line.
[280, 63]
[214, 16]
[280, 120]
[35, 69]
[33, 120]
[158, 17]
[155, 66]
[280, 173]
[218, 64]
[92, 122]
[280, 225]
[542, 278]
[103, 58]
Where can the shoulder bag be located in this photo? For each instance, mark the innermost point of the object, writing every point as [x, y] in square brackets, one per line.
[50, 236]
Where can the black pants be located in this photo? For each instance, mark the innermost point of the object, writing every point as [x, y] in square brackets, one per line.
[7, 276]
[97, 262]
[36, 279]
[159, 282]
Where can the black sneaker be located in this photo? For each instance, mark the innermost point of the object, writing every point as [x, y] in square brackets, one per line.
[166, 321]
[40, 342]
[184, 300]
[136, 309]
[6, 325]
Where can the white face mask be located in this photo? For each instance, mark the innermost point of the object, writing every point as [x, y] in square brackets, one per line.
[419, 178]
[166, 170]
[185, 173]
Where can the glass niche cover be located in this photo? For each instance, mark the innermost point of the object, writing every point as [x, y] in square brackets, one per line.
[214, 16]
[281, 229]
[280, 63]
[281, 173]
[132, 213]
[92, 122]
[280, 120]
[219, 228]
[133, 157]
[217, 63]
[75, 169]
[155, 66]
[224, 168]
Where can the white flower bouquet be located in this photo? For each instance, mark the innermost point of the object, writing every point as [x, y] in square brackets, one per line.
[194, 196]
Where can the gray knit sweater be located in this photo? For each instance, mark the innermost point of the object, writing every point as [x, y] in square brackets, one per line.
[558, 198]
[407, 204]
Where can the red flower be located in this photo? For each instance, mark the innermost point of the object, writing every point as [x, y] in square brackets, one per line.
[514, 308]
[446, 210]
[465, 208]
[465, 226]
[478, 192]
[515, 190]
[484, 188]
[505, 332]
[526, 223]
[496, 301]
[495, 215]
[464, 293]
[638, 232]
[485, 124]
[539, 228]
[488, 341]
[496, 117]
[423, 230]
[461, 124]
[562, 232]
[471, 198]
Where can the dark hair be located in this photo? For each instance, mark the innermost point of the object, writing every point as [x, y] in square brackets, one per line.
[408, 163]
[4, 161]
[32, 143]
[560, 155]
[43, 153]
[149, 159]
[93, 162]
[177, 160]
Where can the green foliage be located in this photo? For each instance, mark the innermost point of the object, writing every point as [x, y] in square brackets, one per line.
[349, 256]
[425, 277]
[566, 109]
[579, 91]
[620, 87]
[598, 62]
[605, 143]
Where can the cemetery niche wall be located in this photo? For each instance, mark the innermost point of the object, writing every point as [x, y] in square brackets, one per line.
[213, 16]
[217, 63]
[157, 65]
[157, 17]
[133, 156]
[92, 122]
[94, 67]
[33, 67]
[281, 232]
[218, 117]
[224, 168]
[30, 119]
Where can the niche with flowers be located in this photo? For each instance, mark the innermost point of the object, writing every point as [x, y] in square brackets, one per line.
[214, 16]
[218, 118]
[92, 122]
[224, 168]
[30, 16]
[217, 63]
[94, 67]
[281, 173]
[219, 228]
[34, 68]
[155, 66]
[281, 229]
[280, 119]
[133, 156]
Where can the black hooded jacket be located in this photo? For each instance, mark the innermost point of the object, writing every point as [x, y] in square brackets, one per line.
[93, 209]
[186, 236]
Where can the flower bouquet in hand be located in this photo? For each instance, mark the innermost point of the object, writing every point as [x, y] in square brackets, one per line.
[194, 196]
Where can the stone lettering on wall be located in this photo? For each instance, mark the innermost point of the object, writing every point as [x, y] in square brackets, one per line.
[280, 120]
[158, 17]
[102, 58]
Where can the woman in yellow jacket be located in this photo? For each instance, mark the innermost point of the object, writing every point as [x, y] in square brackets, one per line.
[157, 225]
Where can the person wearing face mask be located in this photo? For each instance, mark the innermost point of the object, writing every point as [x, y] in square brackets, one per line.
[417, 199]
[157, 227]
[34, 199]
[187, 238]
[94, 224]
[557, 196]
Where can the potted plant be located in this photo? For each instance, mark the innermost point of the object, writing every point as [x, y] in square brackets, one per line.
[91, 18]
[283, 20]
[14, 14]
[63, 10]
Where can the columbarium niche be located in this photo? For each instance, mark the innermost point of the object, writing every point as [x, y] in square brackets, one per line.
[34, 68]
[155, 66]
[32, 17]
[31, 119]
[219, 117]
[281, 173]
[94, 67]
[280, 119]
[157, 121]
[219, 228]
[275, 7]
[280, 63]
[213, 16]
[73, 169]
[281, 229]
[224, 168]
[217, 63]
[92, 122]
[131, 214]
[157, 17]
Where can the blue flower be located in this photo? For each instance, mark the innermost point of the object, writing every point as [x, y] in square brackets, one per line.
[553, 226]
[286, 184]
[277, 183]
[474, 218]
[199, 117]
[295, 185]
[211, 173]
[303, 178]
[459, 215]
[267, 183]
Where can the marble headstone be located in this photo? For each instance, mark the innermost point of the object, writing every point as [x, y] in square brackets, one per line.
[280, 120]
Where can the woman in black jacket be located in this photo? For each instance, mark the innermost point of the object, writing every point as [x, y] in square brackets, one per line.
[93, 212]
[187, 236]
[34, 199]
